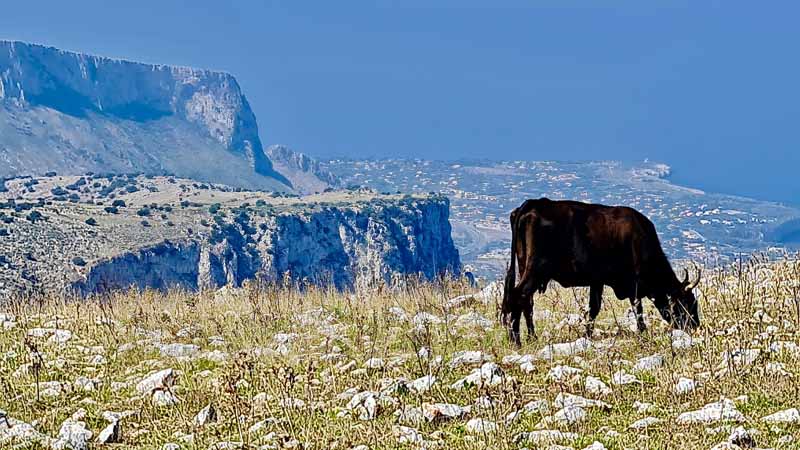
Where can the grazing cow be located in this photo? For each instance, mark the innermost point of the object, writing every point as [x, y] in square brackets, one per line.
[582, 244]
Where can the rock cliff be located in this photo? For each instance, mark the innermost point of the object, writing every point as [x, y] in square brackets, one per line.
[305, 173]
[73, 113]
[174, 233]
[349, 246]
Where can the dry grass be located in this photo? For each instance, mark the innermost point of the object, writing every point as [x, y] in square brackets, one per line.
[751, 306]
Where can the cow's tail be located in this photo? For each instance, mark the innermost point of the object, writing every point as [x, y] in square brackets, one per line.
[511, 275]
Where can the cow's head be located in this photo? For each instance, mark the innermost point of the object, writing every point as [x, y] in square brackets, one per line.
[509, 298]
[684, 304]
[510, 301]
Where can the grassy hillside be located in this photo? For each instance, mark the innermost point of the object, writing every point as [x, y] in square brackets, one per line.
[321, 369]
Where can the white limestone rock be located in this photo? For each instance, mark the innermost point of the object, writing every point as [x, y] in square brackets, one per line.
[438, 412]
[621, 378]
[570, 415]
[488, 375]
[647, 422]
[742, 437]
[365, 404]
[178, 350]
[469, 358]
[15, 432]
[407, 435]
[480, 426]
[163, 379]
[681, 340]
[564, 400]
[422, 384]
[474, 320]
[565, 349]
[649, 363]
[596, 445]
[205, 416]
[596, 386]
[374, 363]
[73, 435]
[163, 398]
[410, 415]
[722, 411]
[684, 386]
[426, 319]
[643, 407]
[791, 415]
[546, 437]
[563, 373]
[111, 434]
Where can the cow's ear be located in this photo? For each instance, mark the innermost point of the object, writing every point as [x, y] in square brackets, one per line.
[685, 281]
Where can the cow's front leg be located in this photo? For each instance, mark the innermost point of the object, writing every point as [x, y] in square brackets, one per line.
[513, 327]
[636, 305]
[528, 311]
[595, 299]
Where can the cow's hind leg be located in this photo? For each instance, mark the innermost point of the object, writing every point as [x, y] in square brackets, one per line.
[595, 300]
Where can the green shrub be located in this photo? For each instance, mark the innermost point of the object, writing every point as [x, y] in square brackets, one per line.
[78, 261]
[34, 216]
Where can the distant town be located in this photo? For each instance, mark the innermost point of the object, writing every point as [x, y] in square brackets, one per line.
[692, 224]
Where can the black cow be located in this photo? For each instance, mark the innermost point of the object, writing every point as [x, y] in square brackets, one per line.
[582, 244]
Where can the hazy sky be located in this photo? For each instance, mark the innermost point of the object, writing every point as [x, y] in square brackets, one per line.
[708, 87]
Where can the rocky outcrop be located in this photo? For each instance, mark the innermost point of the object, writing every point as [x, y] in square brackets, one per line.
[73, 113]
[366, 244]
[305, 173]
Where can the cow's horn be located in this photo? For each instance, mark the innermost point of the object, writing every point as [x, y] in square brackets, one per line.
[699, 275]
[685, 277]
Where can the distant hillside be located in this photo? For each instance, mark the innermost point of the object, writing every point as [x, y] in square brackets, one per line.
[74, 113]
[305, 173]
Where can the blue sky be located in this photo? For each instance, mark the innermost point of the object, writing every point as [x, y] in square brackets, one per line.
[709, 87]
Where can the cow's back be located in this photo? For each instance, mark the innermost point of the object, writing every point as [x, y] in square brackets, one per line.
[551, 240]
[578, 244]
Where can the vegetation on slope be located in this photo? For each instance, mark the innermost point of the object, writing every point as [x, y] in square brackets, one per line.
[314, 368]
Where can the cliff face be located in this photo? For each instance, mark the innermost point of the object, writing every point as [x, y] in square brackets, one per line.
[160, 266]
[73, 113]
[361, 245]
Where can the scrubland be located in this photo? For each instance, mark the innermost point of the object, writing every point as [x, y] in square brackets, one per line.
[426, 365]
